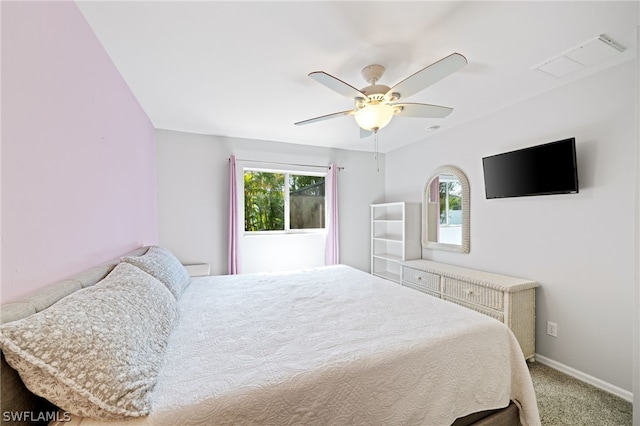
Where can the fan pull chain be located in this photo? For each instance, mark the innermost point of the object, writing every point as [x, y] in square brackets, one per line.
[375, 155]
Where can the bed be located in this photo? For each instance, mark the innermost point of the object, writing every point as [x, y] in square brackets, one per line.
[330, 345]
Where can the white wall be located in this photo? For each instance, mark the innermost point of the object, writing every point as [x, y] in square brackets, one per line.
[193, 198]
[579, 247]
[268, 253]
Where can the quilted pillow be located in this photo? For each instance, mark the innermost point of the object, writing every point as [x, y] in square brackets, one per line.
[165, 266]
[97, 352]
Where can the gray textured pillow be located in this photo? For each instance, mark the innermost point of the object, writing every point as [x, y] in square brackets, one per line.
[165, 266]
[97, 352]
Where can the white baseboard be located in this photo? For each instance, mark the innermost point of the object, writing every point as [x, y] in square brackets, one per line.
[601, 384]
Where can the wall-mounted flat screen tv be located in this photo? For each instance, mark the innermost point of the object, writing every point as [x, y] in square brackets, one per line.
[538, 170]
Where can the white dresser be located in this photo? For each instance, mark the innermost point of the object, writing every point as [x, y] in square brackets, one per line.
[508, 299]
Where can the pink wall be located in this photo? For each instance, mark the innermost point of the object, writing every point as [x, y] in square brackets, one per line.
[78, 151]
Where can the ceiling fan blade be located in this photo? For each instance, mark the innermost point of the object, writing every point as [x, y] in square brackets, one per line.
[337, 85]
[428, 75]
[324, 117]
[365, 133]
[423, 110]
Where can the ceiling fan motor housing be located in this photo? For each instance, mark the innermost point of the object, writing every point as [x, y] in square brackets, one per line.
[371, 74]
[376, 92]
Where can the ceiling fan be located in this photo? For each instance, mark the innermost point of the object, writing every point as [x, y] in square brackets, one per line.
[376, 104]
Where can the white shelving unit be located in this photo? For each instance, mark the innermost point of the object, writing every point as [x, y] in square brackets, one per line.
[395, 237]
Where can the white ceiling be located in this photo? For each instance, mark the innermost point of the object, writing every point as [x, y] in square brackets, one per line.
[239, 69]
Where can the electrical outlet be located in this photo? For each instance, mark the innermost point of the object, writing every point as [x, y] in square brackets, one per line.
[552, 329]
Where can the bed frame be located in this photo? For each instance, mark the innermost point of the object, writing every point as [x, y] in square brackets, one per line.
[17, 399]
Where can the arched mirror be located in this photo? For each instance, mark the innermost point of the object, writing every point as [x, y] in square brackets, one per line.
[445, 211]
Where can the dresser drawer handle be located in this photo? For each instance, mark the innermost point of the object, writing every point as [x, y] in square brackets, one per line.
[468, 292]
[419, 278]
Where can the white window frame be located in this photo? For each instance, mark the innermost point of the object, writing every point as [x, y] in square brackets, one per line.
[287, 214]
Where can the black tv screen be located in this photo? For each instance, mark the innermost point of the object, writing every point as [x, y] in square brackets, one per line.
[539, 170]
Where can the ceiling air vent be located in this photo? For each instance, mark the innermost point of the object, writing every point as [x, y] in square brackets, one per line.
[588, 53]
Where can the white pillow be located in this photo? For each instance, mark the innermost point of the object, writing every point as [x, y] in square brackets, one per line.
[97, 352]
[165, 266]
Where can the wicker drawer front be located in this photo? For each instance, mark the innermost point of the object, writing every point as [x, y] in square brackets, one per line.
[472, 293]
[421, 289]
[420, 280]
[489, 312]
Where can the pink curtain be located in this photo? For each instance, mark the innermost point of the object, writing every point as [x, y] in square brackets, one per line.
[331, 254]
[234, 227]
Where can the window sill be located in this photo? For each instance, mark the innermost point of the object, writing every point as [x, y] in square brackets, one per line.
[290, 232]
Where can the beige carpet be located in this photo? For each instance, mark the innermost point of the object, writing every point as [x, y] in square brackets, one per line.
[566, 401]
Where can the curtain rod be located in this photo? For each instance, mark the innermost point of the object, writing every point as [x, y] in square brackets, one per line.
[285, 164]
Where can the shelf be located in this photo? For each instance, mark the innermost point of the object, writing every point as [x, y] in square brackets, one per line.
[388, 239]
[388, 275]
[390, 257]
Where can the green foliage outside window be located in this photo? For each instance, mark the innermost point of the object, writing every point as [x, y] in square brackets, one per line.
[450, 199]
[310, 185]
[264, 201]
[453, 191]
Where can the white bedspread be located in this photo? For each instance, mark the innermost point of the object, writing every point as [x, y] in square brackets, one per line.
[332, 346]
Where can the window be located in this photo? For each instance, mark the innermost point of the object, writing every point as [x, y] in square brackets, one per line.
[283, 201]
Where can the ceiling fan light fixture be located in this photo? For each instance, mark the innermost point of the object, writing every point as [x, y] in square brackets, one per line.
[375, 104]
[374, 116]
